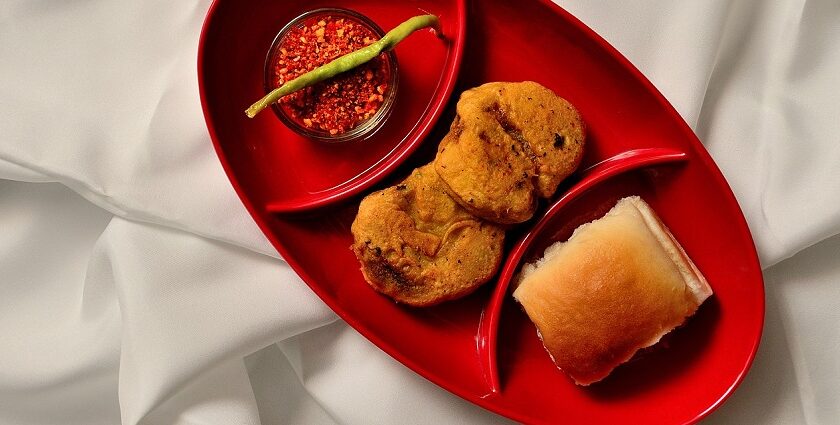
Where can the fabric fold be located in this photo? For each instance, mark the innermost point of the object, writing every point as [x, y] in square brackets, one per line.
[135, 287]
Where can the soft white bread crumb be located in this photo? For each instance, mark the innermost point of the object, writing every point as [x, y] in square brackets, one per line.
[617, 285]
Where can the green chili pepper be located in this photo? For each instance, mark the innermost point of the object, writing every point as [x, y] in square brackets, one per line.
[346, 62]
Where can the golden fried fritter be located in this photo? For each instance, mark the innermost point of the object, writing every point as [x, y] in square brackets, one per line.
[419, 247]
[509, 144]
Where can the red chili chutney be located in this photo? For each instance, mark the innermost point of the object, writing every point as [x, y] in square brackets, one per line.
[343, 102]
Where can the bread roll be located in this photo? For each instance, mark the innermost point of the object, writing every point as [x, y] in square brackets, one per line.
[617, 285]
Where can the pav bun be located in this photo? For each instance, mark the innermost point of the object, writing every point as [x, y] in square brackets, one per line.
[616, 286]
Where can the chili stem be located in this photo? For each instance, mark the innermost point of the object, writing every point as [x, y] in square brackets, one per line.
[346, 62]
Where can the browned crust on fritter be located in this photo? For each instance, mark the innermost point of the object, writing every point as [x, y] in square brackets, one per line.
[510, 144]
[419, 247]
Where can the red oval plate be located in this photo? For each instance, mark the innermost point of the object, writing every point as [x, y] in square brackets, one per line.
[681, 381]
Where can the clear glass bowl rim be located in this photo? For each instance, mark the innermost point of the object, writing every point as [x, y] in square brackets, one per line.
[364, 129]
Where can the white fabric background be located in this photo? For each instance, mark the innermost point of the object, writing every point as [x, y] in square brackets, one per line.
[135, 289]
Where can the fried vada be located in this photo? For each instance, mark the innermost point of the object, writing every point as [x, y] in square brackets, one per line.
[510, 144]
[419, 247]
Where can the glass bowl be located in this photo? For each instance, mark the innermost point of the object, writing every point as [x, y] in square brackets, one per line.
[363, 128]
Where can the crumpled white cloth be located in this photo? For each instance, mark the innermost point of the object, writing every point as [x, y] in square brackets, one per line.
[135, 289]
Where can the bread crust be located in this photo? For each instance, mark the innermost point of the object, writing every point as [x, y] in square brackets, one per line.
[616, 286]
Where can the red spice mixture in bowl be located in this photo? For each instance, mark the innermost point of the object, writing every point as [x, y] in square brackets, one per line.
[349, 106]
